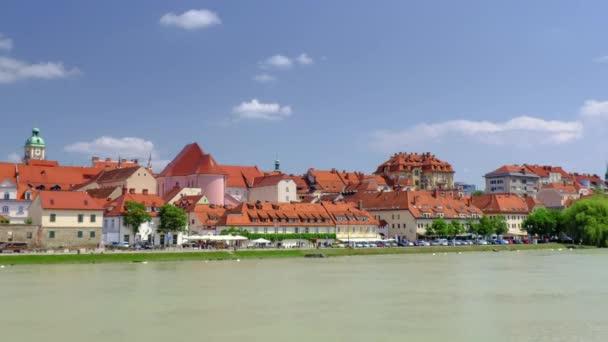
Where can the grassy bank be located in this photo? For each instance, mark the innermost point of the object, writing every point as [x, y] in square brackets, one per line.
[247, 254]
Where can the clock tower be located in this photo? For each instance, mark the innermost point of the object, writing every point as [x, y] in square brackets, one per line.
[34, 147]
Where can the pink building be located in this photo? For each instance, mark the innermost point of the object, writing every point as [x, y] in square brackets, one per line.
[193, 168]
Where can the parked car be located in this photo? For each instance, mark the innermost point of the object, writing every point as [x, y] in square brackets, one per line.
[380, 244]
[14, 247]
[392, 244]
[482, 242]
[500, 242]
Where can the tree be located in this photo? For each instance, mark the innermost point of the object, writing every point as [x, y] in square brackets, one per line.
[484, 227]
[440, 227]
[135, 215]
[172, 219]
[455, 228]
[477, 193]
[587, 220]
[499, 223]
[544, 222]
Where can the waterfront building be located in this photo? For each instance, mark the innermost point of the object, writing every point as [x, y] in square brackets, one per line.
[408, 213]
[515, 209]
[203, 217]
[193, 168]
[421, 171]
[273, 188]
[514, 179]
[66, 219]
[115, 231]
[12, 208]
[239, 180]
[352, 223]
[559, 196]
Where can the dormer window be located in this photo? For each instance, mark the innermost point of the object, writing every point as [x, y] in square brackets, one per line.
[28, 195]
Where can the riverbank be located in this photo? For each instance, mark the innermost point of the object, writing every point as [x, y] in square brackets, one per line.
[249, 254]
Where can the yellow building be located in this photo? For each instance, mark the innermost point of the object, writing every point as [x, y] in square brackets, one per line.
[419, 171]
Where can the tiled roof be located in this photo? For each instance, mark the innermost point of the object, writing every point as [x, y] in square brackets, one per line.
[190, 161]
[417, 202]
[564, 188]
[240, 176]
[269, 180]
[545, 170]
[68, 200]
[327, 181]
[408, 161]
[209, 214]
[117, 175]
[301, 184]
[117, 207]
[101, 193]
[523, 169]
[188, 202]
[503, 203]
[305, 214]
[352, 214]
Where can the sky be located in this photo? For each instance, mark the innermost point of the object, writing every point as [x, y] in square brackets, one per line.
[324, 84]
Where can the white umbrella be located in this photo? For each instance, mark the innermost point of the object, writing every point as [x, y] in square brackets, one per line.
[261, 241]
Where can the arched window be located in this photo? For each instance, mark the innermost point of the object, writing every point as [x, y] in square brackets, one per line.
[5, 210]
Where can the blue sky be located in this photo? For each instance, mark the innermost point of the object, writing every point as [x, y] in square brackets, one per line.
[322, 84]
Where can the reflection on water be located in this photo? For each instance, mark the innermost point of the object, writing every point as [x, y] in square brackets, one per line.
[507, 296]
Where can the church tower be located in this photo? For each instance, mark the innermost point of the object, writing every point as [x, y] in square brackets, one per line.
[34, 147]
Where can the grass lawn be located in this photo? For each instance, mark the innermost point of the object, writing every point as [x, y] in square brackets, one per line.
[247, 254]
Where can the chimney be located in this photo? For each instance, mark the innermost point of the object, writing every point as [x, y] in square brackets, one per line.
[144, 191]
[108, 159]
[123, 160]
[360, 204]
[131, 191]
[333, 170]
[95, 159]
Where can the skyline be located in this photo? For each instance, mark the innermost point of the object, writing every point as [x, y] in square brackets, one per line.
[461, 82]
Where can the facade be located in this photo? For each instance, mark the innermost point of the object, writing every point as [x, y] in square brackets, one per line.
[67, 219]
[115, 231]
[559, 196]
[408, 213]
[514, 179]
[192, 168]
[203, 217]
[550, 174]
[352, 223]
[176, 194]
[136, 179]
[514, 208]
[590, 181]
[12, 208]
[467, 189]
[421, 171]
[274, 188]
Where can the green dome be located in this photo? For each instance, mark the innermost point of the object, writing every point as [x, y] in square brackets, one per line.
[35, 139]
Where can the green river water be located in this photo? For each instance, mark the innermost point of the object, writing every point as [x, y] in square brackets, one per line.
[506, 296]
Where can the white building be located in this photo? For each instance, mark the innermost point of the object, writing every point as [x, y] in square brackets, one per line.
[274, 188]
[11, 207]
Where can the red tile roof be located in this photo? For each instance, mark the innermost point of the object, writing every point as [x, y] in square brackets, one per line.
[68, 200]
[352, 214]
[513, 169]
[269, 180]
[190, 161]
[417, 202]
[504, 203]
[209, 214]
[240, 176]
[117, 207]
[327, 181]
[564, 188]
[117, 175]
[305, 214]
[408, 161]
[188, 202]
[545, 170]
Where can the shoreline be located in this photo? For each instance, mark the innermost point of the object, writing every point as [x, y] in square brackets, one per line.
[42, 259]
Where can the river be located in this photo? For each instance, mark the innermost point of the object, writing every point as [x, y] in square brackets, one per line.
[506, 296]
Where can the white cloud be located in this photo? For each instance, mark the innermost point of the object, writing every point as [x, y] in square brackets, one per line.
[13, 70]
[14, 157]
[278, 62]
[264, 78]
[191, 20]
[594, 108]
[521, 129]
[263, 111]
[106, 146]
[304, 59]
[5, 43]
[601, 59]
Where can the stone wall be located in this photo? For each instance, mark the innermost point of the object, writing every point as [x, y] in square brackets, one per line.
[37, 237]
[29, 234]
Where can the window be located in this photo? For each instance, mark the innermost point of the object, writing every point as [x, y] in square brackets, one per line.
[297, 230]
[286, 198]
[7, 196]
[80, 234]
[255, 230]
[93, 218]
[284, 230]
[28, 195]
[126, 238]
[286, 189]
[339, 229]
[265, 230]
[276, 230]
[5, 210]
[306, 230]
[51, 234]
[92, 234]
[53, 218]
[28, 235]
[80, 218]
[20, 211]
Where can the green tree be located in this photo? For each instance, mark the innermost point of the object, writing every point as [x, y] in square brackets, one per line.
[135, 215]
[587, 220]
[499, 224]
[440, 227]
[455, 228]
[429, 231]
[544, 222]
[484, 227]
[172, 219]
[477, 193]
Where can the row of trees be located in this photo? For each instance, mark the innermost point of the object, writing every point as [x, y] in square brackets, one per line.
[586, 221]
[484, 227]
[172, 218]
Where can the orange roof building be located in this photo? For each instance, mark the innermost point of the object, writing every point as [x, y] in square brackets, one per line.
[424, 171]
[515, 209]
